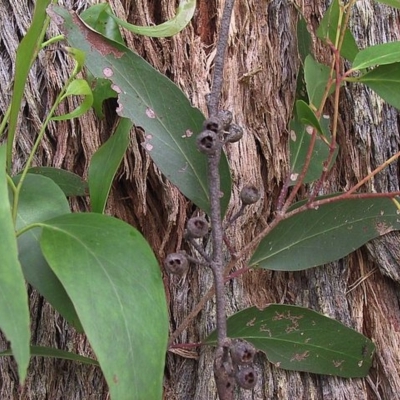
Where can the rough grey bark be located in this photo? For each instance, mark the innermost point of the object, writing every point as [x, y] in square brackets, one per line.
[361, 291]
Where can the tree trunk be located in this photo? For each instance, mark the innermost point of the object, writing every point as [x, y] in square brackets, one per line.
[362, 290]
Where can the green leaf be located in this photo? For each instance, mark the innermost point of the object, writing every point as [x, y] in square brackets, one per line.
[14, 311]
[156, 104]
[114, 281]
[50, 352]
[98, 17]
[392, 3]
[380, 54]
[304, 44]
[70, 183]
[102, 90]
[26, 54]
[78, 87]
[385, 81]
[316, 76]
[328, 31]
[104, 165]
[78, 56]
[184, 14]
[40, 199]
[307, 116]
[318, 236]
[304, 40]
[300, 139]
[299, 339]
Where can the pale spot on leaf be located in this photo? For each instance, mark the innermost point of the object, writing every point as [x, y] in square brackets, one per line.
[187, 134]
[116, 88]
[150, 113]
[309, 129]
[293, 135]
[108, 72]
[293, 177]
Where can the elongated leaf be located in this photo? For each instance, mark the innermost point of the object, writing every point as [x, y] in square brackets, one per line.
[307, 116]
[300, 339]
[41, 351]
[114, 281]
[26, 53]
[100, 18]
[392, 3]
[328, 31]
[70, 183]
[316, 76]
[104, 165]
[380, 54]
[184, 14]
[156, 104]
[41, 199]
[14, 311]
[316, 237]
[385, 81]
[304, 39]
[304, 43]
[78, 87]
[300, 139]
[101, 90]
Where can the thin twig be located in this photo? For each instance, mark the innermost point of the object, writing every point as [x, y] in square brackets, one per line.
[218, 75]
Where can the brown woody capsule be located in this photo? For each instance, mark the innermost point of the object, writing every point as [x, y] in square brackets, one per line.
[212, 124]
[197, 227]
[176, 263]
[242, 352]
[249, 195]
[246, 377]
[208, 142]
[225, 116]
[235, 134]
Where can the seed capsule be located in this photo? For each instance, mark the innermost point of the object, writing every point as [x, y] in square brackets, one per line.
[208, 142]
[242, 352]
[235, 134]
[246, 378]
[197, 227]
[176, 263]
[249, 195]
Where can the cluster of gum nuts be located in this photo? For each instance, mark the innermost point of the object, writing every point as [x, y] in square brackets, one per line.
[216, 132]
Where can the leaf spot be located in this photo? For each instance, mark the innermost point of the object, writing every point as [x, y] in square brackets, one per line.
[119, 109]
[309, 129]
[300, 356]
[150, 113]
[184, 168]
[108, 72]
[360, 363]
[293, 135]
[263, 328]
[337, 363]
[116, 88]
[148, 146]
[325, 116]
[382, 228]
[187, 134]
[251, 322]
[293, 177]
[98, 42]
